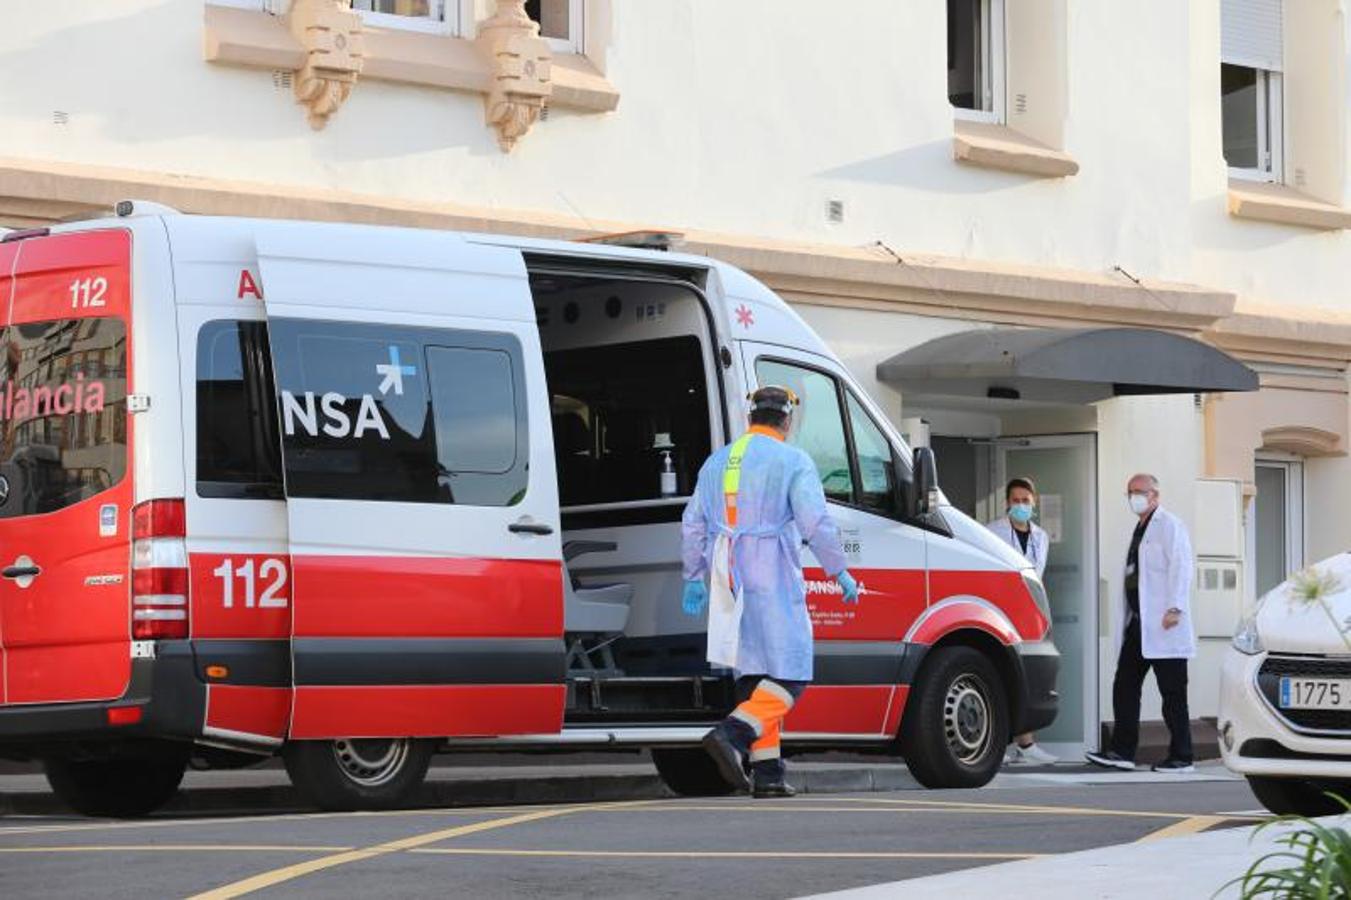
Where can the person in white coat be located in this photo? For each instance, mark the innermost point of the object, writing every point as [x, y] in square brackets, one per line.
[1154, 631]
[1017, 529]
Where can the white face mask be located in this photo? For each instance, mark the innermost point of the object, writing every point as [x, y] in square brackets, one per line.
[1139, 503]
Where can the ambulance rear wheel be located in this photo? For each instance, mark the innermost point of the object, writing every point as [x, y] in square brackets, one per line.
[118, 788]
[358, 773]
[956, 722]
[690, 772]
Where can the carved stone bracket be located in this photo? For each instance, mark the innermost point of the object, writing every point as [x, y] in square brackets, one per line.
[330, 33]
[522, 71]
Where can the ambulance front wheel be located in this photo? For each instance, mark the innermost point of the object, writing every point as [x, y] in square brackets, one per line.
[358, 773]
[956, 722]
[690, 772]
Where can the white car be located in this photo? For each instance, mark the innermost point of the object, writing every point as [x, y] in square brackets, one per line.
[1285, 693]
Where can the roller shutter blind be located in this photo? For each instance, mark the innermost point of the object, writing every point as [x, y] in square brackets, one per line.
[1251, 33]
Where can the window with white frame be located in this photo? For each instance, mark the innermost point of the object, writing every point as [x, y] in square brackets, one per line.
[976, 52]
[560, 22]
[1251, 63]
[439, 16]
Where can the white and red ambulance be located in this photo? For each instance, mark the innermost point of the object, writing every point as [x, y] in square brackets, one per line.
[358, 495]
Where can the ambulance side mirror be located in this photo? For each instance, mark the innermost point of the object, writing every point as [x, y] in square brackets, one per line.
[923, 492]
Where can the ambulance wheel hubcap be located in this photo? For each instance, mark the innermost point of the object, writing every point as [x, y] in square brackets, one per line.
[371, 762]
[966, 720]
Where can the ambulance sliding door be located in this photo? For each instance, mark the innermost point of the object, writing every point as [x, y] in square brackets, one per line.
[421, 494]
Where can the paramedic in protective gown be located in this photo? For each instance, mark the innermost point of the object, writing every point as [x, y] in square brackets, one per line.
[756, 502]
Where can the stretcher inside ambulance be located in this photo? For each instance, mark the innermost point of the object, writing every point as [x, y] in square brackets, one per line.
[359, 495]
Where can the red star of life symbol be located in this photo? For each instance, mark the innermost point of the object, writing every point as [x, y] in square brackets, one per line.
[744, 316]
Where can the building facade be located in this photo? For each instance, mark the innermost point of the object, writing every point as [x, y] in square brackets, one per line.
[900, 172]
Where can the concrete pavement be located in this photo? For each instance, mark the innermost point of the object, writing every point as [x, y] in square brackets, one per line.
[661, 847]
[1161, 866]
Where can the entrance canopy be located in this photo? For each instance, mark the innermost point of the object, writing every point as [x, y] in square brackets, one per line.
[1054, 365]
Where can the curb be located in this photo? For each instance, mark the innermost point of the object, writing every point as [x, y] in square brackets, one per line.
[451, 793]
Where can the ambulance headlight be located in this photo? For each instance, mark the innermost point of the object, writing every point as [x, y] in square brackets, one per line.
[1246, 638]
[1038, 592]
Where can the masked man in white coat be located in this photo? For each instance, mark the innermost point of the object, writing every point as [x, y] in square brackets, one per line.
[1155, 631]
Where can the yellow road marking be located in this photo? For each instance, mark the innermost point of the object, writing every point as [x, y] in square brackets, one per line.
[288, 873]
[1192, 825]
[286, 817]
[723, 854]
[906, 810]
[177, 848]
[974, 806]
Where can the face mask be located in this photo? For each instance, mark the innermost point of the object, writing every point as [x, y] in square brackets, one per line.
[1139, 503]
[1021, 513]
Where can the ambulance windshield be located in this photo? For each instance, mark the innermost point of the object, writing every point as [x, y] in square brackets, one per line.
[63, 414]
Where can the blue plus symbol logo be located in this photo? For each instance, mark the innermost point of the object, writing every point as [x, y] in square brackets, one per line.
[393, 372]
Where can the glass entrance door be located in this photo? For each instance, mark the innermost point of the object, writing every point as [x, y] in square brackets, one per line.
[1279, 518]
[1064, 468]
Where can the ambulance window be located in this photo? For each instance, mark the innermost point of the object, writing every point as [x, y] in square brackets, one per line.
[62, 412]
[400, 414]
[480, 423]
[872, 451]
[819, 427]
[238, 452]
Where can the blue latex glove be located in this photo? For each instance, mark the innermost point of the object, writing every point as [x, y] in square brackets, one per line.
[850, 586]
[696, 597]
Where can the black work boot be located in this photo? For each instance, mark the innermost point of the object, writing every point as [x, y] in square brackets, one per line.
[773, 789]
[727, 757]
[767, 779]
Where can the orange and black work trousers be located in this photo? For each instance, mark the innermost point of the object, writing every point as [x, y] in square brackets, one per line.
[755, 727]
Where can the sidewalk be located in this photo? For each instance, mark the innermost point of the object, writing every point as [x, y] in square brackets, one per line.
[1159, 869]
[542, 780]
[483, 779]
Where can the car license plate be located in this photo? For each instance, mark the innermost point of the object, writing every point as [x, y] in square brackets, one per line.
[1315, 693]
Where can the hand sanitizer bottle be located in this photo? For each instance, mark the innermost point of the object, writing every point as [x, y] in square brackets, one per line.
[668, 475]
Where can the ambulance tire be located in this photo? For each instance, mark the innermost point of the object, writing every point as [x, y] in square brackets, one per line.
[118, 788]
[690, 772]
[358, 774]
[1300, 796]
[956, 721]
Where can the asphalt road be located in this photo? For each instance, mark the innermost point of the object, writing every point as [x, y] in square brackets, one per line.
[733, 847]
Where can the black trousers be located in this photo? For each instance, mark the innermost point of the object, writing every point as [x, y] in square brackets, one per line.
[1171, 674]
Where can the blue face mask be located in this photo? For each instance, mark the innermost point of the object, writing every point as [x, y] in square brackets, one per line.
[1021, 513]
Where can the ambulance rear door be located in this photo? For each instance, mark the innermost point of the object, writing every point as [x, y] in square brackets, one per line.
[421, 495]
[66, 483]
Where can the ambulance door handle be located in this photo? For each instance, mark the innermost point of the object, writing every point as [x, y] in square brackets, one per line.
[22, 571]
[528, 527]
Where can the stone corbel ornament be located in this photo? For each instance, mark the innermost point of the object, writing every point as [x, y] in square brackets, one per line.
[330, 32]
[521, 71]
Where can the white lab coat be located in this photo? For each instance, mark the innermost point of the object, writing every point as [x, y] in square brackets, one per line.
[1166, 567]
[1038, 545]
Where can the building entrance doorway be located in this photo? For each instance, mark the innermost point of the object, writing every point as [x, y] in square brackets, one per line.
[1064, 468]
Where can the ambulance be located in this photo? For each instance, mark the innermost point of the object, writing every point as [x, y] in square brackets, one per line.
[359, 495]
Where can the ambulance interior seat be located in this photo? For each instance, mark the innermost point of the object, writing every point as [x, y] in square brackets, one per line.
[573, 457]
[594, 615]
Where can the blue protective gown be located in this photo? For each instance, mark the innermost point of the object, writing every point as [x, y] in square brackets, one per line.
[780, 504]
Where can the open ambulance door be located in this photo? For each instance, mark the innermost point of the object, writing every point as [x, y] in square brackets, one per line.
[421, 495]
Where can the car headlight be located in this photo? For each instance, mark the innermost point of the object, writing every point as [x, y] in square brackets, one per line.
[1247, 639]
[1038, 592]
